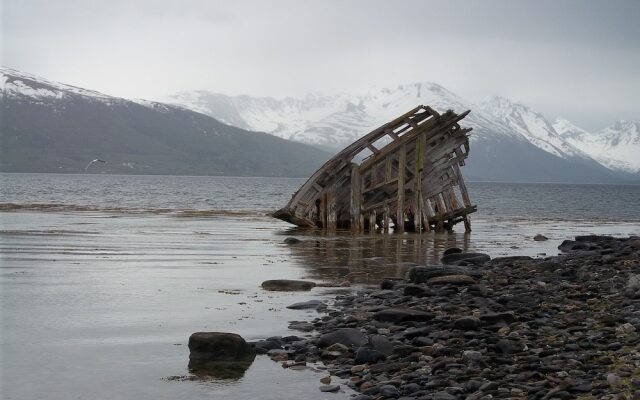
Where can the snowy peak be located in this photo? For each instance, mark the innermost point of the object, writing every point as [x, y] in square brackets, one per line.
[338, 119]
[622, 133]
[617, 147]
[19, 84]
[568, 130]
[27, 87]
[532, 126]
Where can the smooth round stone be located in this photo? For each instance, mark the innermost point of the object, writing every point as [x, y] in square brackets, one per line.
[389, 391]
[330, 388]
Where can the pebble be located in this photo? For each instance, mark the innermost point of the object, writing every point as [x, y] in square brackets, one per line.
[558, 327]
[330, 388]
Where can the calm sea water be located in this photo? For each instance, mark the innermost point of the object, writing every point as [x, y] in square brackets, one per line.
[103, 278]
[261, 195]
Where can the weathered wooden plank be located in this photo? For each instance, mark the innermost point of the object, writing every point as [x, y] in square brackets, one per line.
[419, 165]
[332, 217]
[439, 126]
[356, 200]
[402, 160]
[463, 188]
[385, 217]
[372, 221]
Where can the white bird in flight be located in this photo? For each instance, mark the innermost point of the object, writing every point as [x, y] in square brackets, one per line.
[93, 162]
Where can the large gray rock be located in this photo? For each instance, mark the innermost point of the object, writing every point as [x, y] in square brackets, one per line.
[308, 305]
[421, 274]
[570, 245]
[365, 355]
[465, 258]
[467, 323]
[349, 337]
[452, 280]
[220, 354]
[396, 315]
[287, 285]
[381, 344]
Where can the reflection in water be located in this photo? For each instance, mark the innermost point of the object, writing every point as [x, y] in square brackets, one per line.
[369, 258]
[219, 370]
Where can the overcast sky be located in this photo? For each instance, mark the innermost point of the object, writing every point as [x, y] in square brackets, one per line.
[574, 58]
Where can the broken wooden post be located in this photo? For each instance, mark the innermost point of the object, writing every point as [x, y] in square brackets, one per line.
[356, 200]
[402, 159]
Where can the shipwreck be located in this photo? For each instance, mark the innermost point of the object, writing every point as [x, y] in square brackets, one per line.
[403, 176]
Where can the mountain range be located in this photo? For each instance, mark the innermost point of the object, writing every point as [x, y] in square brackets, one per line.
[52, 127]
[510, 141]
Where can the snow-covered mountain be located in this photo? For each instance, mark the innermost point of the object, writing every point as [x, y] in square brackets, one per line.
[617, 146]
[501, 128]
[335, 120]
[48, 126]
[22, 86]
[532, 126]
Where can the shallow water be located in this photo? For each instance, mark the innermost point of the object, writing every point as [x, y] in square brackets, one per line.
[100, 303]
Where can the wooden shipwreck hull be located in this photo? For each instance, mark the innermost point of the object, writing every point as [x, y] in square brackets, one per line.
[410, 181]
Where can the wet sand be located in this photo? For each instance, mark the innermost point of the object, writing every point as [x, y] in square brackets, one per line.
[101, 304]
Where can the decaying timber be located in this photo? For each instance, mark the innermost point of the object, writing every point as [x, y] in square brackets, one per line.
[411, 179]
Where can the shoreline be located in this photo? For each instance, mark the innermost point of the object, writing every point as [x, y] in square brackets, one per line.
[563, 327]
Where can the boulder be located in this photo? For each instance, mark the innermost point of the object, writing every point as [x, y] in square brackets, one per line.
[452, 279]
[396, 315]
[421, 274]
[263, 346]
[349, 337]
[302, 326]
[540, 238]
[467, 323]
[365, 355]
[492, 318]
[381, 344]
[389, 391]
[220, 354]
[287, 285]
[330, 388]
[308, 305]
[465, 258]
[506, 346]
[570, 245]
[452, 250]
[387, 284]
[417, 291]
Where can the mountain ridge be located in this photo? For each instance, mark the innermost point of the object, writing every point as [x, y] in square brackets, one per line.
[52, 127]
[335, 120]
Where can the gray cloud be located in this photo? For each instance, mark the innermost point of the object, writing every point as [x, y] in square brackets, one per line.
[573, 58]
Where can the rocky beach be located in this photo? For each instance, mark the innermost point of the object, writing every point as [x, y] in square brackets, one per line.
[561, 327]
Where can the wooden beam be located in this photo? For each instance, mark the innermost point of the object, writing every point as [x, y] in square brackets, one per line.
[356, 200]
[463, 188]
[373, 148]
[419, 165]
[372, 221]
[332, 217]
[385, 216]
[402, 161]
